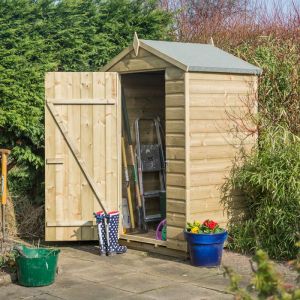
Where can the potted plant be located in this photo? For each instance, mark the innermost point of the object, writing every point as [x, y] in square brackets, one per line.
[205, 243]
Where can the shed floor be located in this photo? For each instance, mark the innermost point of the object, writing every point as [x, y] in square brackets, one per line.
[143, 238]
[150, 234]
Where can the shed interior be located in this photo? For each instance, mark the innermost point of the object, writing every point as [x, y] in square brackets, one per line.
[144, 93]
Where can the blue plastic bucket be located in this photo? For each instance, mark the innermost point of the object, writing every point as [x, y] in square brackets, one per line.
[206, 249]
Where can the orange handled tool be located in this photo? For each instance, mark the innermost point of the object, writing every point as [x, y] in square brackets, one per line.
[132, 222]
[4, 158]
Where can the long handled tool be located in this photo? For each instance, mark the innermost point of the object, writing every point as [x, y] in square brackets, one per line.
[4, 157]
[127, 185]
[136, 183]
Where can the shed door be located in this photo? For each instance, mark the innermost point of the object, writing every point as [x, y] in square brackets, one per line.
[82, 135]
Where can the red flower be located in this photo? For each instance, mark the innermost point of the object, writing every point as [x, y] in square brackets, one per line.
[210, 224]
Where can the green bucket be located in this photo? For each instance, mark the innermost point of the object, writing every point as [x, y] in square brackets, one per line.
[36, 266]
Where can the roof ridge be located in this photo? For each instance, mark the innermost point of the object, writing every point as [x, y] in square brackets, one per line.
[178, 42]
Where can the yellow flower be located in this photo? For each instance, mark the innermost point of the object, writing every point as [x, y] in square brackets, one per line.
[195, 230]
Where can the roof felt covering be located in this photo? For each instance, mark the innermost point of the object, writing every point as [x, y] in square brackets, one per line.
[203, 57]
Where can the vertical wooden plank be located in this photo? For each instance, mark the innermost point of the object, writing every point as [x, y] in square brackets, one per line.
[111, 92]
[50, 187]
[99, 140]
[176, 139]
[66, 94]
[187, 145]
[74, 173]
[59, 169]
[119, 152]
[109, 144]
[114, 129]
[86, 150]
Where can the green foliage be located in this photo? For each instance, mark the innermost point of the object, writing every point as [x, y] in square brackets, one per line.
[270, 180]
[266, 279]
[50, 35]
[266, 282]
[8, 261]
[279, 85]
[269, 176]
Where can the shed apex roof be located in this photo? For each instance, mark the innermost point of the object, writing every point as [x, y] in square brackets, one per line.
[201, 57]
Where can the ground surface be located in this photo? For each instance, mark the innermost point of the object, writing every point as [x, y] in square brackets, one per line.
[134, 275]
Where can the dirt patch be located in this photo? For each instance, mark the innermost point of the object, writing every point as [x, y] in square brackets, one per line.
[241, 265]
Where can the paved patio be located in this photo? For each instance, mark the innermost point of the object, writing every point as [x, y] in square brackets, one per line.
[134, 275]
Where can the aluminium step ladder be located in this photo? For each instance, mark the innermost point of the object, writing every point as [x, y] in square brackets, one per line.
[150, 159]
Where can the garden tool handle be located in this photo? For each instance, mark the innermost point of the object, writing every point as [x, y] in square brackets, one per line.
[4, 154]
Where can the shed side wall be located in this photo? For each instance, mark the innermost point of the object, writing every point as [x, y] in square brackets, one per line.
[176, 157]
[219, 127]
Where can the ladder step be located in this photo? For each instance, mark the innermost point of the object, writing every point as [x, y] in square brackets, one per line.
[154, 193]
[151, 218]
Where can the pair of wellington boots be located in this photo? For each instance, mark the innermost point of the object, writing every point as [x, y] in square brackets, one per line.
[108, 225]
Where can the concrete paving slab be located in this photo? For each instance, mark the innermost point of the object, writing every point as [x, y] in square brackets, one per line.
[182, 272]
[89, 290]
[133, 260]
[217, 283]
[139, 297]
[43, 297]
[186, 292]
[108, 273]
[15, 292]
[138, 282]
[62, 283]
[70, 265]
[76, 288]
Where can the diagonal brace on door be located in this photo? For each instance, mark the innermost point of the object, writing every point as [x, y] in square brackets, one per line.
[58, 120]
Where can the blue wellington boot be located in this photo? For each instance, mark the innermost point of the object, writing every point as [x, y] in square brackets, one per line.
[112, 222]
[100, 216]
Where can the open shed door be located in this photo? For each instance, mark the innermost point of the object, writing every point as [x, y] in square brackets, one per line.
[82, 138]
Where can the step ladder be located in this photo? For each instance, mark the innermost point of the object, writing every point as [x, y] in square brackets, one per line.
[150, 159]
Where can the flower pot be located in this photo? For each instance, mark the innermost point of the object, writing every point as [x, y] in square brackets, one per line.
[206, 249]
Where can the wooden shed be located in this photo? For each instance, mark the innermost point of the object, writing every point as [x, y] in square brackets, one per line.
[201, 95]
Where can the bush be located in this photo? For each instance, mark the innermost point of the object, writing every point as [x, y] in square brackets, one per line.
[269, 176]
[266, 282]
[279, 84]
[270, 179]
[8, 261]
[50, 35]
